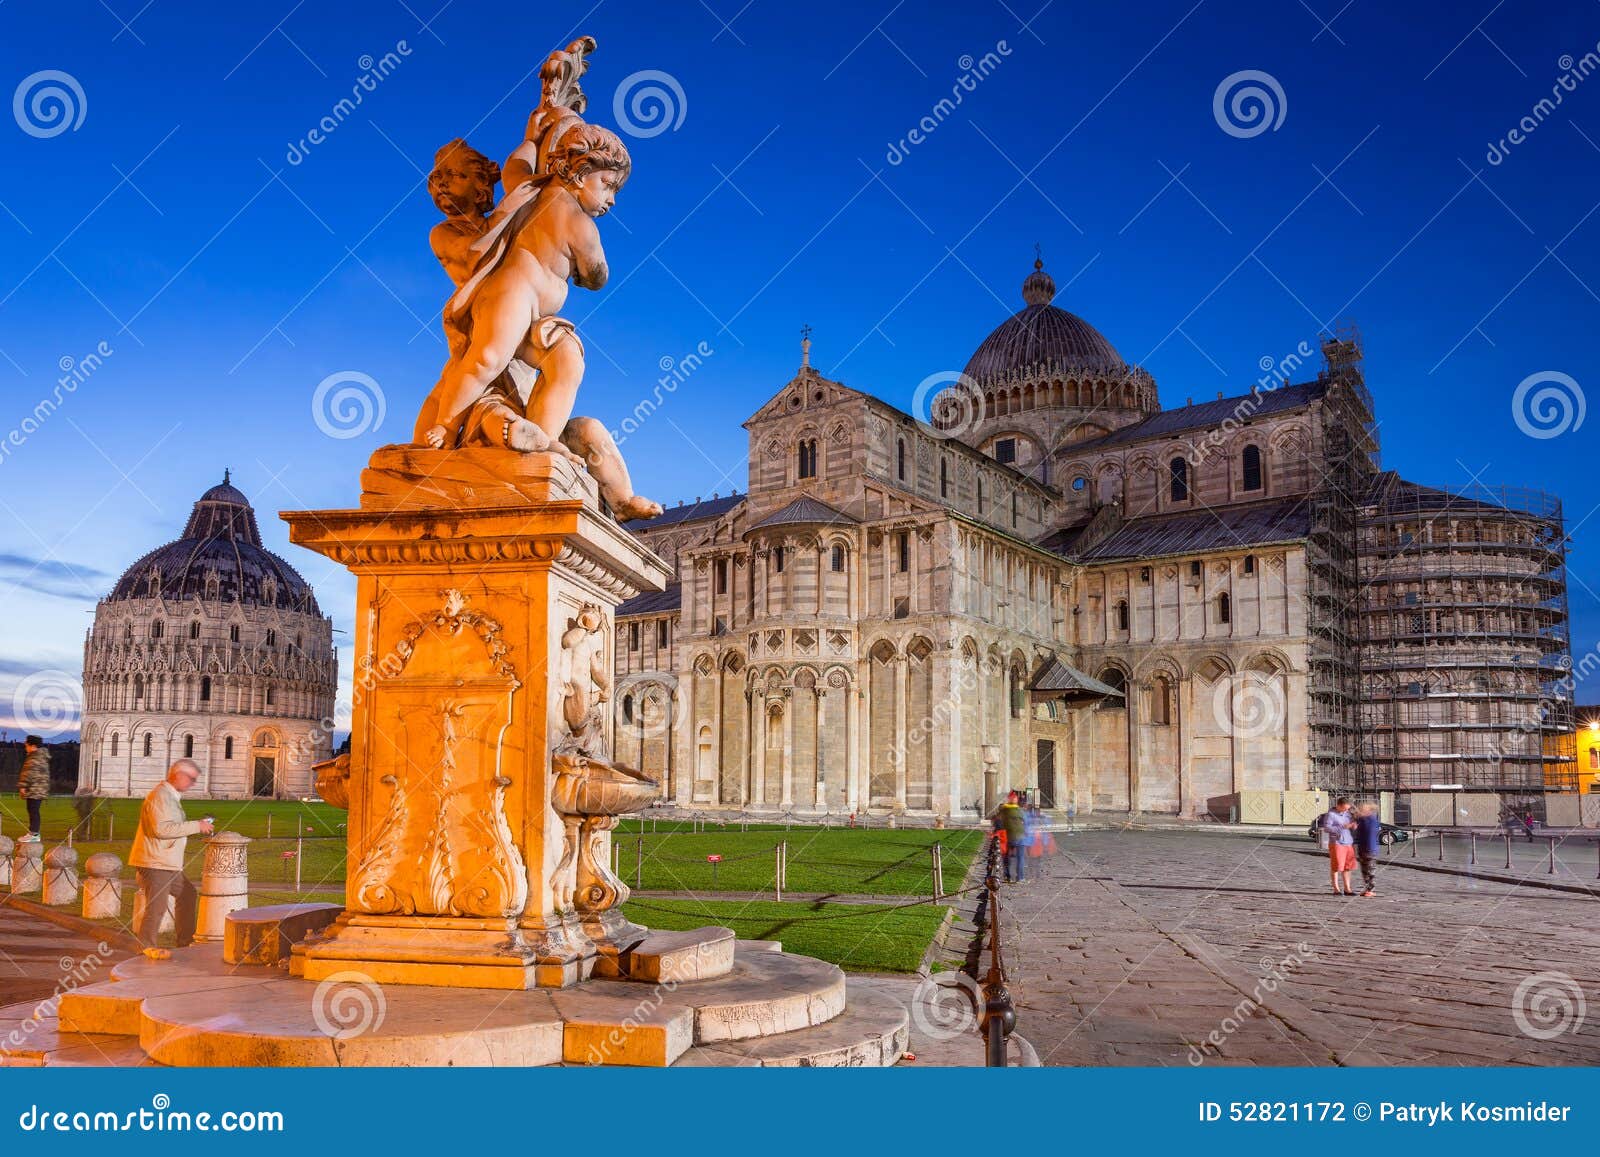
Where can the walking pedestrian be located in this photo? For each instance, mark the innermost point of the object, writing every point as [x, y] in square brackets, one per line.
[1369, 838]
[157, 858]
[1013, 825]
[1341, 845]
[33, 785]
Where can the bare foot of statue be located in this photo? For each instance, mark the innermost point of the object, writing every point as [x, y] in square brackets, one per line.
[435, 436]
[562, 449]
[635, 507]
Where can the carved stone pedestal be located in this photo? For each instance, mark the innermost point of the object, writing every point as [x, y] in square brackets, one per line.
[487, 581]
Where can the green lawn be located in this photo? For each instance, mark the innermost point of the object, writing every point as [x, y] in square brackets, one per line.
[855, 938]
[821, 860]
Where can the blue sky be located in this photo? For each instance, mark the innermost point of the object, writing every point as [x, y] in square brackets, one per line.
[230, 266]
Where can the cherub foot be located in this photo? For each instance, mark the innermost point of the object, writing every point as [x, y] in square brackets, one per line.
[635, 506]
[434, 436]
[562, 449]
[526, 436]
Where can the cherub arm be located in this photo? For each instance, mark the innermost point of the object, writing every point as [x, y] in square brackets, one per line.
[600, 672]
[589, 269]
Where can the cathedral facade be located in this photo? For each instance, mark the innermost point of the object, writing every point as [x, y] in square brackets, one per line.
[210, 647]
[1054, 583]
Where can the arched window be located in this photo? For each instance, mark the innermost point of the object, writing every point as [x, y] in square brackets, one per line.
[227, 748]
[627, 708]
[837, 561]
[1122, 614]
[903, 550]
[1114, 678]
[269, 694]
[1019, 700]
[980, 494]
[155, 629]
[944, 478]
[194, 629]
[188, 747]
[808, 458]
[205, 688]
[1160, 700]
[900, 459]
[1179, 471]
[138, 688]
[1252, 468]
[1224, 608]
[1249, 564]
[113, 743]
[272, 637]
[233, 633]
[127, 633]
[147, 743]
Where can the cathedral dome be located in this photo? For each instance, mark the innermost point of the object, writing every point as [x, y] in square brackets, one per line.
[1042, 339]
[219, 559]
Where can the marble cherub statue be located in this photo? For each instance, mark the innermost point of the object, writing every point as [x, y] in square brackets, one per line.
[508, 341]
[584, 675]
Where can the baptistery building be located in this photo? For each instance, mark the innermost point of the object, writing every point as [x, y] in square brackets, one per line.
[214, 648]
[1050, 580]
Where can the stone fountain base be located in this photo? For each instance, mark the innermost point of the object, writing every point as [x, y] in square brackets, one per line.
[769, 1008]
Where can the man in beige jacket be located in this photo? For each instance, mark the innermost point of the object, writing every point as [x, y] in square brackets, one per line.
[157, 857]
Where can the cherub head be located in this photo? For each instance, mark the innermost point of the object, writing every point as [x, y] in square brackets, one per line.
[463, 179]
[592, 162]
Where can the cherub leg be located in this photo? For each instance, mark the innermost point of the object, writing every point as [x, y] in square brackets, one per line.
[499, 324]
[594, 442]
[554, 349]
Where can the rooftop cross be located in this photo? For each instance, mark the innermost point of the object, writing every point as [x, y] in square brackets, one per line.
[805, 346]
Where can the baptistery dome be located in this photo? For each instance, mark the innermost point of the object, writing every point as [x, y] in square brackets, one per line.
[209, 648]
[219, 558]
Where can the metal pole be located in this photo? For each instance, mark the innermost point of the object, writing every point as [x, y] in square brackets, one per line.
[938, 871]
[1508, 850]
[1552, 857]
[299, 850]
[777, 870]
[1472, 855]
[1441, 845]
[269, 825]
[638, 864]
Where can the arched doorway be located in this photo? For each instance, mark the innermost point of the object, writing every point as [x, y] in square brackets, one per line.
[264, 764]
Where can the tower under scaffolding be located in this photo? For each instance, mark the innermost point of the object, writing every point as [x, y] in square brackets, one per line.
[1347, 463]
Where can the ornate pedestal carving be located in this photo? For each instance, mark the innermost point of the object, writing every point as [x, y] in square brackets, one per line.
[487, 580]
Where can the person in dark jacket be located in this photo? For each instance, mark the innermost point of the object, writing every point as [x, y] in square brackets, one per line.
[1009, 819]
[1369, 838]
[33, 785]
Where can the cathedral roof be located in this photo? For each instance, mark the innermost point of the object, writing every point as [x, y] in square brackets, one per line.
[1224, 528]
[222, 541]
[1045, 338]
[653, 602]
[688, 512]
[805, 511]
[1207, 415]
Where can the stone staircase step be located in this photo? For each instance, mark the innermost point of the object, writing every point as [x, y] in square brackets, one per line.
[871, 1032]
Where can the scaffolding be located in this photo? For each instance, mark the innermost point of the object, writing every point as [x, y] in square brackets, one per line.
[1347, 461]
[1466, 653]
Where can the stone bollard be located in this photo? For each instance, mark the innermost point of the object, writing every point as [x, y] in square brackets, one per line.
[61, 875]
[224, 884]
[27, 867]
[7, 847]
[102, 887]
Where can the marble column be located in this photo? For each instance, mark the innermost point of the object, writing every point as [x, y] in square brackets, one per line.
[786, 800]
[900, 732]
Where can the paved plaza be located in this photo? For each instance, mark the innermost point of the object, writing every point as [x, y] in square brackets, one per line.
[1177, 948]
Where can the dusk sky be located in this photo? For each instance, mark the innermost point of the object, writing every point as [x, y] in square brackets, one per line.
[184, 215]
